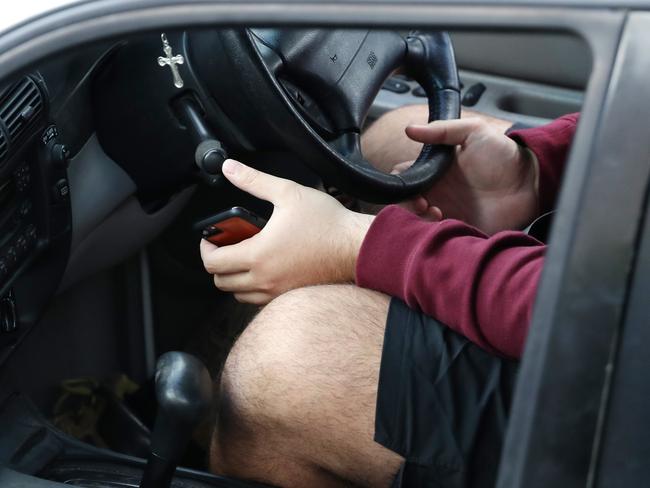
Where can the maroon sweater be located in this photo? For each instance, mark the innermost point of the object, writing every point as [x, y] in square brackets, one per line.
[482, 287]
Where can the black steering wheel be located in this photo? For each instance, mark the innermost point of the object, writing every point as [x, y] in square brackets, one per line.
[326, 81]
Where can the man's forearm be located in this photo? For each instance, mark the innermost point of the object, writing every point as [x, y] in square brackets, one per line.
[483, 288]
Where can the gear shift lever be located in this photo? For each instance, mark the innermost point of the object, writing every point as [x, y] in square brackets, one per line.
[183, 391]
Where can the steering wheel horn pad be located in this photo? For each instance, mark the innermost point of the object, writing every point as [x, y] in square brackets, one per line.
[342, 73]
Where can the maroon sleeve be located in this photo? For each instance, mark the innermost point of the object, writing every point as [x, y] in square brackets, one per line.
[484, 288]
[550, 143]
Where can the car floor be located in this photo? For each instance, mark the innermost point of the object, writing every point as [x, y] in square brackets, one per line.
[87, 339]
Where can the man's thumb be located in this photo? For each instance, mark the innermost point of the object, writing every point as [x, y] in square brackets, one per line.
[260, 185]
[449, 132]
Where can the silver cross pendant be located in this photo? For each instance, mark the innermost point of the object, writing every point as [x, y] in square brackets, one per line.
[172, 61]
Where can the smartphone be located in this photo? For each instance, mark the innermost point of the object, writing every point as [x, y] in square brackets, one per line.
[230, 227]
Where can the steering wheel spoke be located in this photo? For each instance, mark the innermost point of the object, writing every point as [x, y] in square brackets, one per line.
[348, 145]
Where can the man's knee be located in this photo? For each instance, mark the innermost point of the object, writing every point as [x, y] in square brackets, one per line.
[292, 377]
[293, 341]
[262, 359]
[254, 384]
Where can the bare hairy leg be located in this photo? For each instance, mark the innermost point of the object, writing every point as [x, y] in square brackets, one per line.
[299, 391]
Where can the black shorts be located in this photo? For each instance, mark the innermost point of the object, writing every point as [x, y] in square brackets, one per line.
[442, 403]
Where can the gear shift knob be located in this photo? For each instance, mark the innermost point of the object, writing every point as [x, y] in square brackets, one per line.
[183, 392]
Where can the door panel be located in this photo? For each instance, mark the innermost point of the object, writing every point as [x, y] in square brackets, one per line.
[528, 78]
[555, 59]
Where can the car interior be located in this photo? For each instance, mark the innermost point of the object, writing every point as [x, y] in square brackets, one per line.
[110, 153]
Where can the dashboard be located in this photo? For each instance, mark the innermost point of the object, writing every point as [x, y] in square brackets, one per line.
[34, 200]
[45, 119]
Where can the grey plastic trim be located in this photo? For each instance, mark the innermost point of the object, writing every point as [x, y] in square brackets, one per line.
[121, 234]
[622, 457]
[522, 101]
[498, 90]
[97, 187]
[548, 58]
[582, 295]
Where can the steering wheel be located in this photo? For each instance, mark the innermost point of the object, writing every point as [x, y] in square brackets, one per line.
[326, 81]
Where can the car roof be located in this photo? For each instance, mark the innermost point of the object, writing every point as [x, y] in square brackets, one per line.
[23, 11]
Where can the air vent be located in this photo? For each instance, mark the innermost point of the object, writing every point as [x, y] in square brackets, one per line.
[22, 104]
[4, 146]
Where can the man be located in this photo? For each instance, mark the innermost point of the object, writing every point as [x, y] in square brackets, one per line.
[334, 384]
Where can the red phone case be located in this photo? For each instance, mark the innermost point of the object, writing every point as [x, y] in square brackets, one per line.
[230, 231]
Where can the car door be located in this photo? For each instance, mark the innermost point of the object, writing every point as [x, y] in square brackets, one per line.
[524, 77]
[576, 418]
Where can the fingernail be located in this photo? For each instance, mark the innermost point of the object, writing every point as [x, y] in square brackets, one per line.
[230, 167]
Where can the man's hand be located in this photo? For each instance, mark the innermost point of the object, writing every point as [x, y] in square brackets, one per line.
[491, 185]
[384, 145]
[310, 239]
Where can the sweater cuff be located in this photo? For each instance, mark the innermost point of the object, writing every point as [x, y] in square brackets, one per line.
[387, 248]
[550, 143]
[548, 181]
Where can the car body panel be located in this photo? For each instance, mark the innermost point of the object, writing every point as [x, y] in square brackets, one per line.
[21, 12]
[581, 299]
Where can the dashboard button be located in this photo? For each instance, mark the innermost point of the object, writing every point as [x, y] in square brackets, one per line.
[60, 155]
[473, 94]
[49, 134]
[61, 190]
[395, 86]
